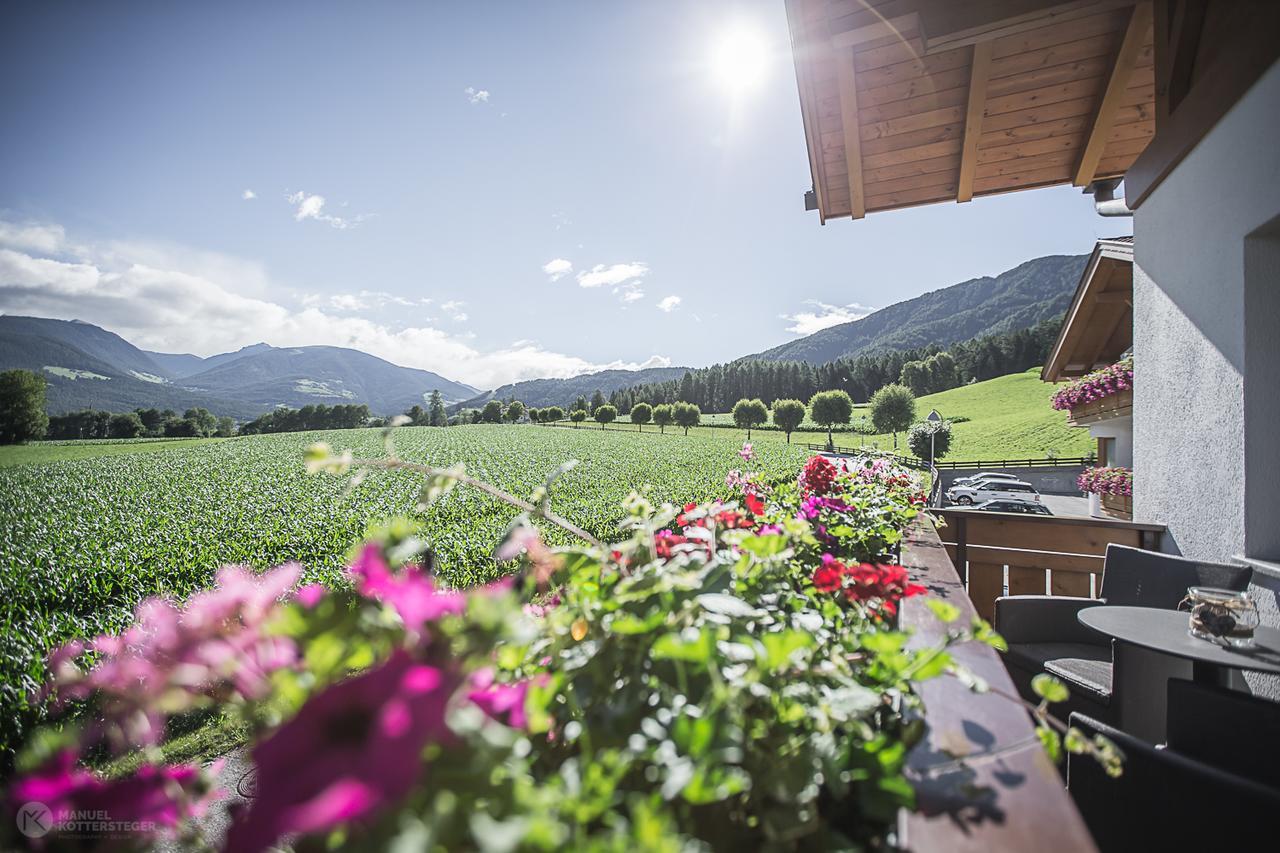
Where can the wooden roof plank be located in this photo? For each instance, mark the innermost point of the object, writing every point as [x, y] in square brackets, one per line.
[980, 70]
[1135, 36]
[852, 139]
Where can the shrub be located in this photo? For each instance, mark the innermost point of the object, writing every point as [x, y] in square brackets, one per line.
[605, 414]
[787, 415]
[687, 415]
[830, 408]
[641, 414]
[664, 415]
[748, 414]
[893, 408]
[930, 440]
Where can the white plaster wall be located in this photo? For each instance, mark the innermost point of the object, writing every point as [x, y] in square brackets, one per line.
[1121, 429]
[1189, 329]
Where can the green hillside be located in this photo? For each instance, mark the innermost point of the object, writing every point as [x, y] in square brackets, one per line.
[1008, 417]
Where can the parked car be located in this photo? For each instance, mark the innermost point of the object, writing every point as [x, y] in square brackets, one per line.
[1025, 507]
[992, 490]
[982, 475]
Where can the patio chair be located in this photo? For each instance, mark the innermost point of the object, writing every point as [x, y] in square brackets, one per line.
[1166, 801]
[1228, 729]
[1108, 680]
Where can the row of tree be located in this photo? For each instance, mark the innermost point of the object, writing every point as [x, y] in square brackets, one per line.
[140, 423]
[319, 416]
[926, 370]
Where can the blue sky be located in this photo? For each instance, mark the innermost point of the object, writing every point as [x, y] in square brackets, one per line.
[415, 167]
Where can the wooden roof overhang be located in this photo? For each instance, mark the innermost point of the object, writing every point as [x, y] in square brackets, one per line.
[1098, 328]
[909, 102]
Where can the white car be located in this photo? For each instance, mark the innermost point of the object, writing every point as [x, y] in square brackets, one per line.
[982, 475]
[992, 490]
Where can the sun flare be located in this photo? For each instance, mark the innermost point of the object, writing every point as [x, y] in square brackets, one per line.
[740, 59]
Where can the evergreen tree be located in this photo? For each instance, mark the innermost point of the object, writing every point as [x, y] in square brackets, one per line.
[436, 415]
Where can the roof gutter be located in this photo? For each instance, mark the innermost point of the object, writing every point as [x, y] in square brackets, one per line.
[1104, 198]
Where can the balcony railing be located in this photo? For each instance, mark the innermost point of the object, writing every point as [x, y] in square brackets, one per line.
[1009, 554]
[983, 781]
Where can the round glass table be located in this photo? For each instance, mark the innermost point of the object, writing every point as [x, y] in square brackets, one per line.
[1168, 632]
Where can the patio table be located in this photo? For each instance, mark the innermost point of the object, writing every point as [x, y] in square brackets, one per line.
[1168, 632]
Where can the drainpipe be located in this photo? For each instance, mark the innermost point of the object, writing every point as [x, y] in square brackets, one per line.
[1104, 198]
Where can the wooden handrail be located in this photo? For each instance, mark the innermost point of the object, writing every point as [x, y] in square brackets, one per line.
[1034, 554]
[1005, 795]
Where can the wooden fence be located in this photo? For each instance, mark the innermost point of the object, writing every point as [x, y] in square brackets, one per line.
[1001, 553]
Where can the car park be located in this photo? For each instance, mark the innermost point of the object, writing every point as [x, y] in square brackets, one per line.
[983, 475]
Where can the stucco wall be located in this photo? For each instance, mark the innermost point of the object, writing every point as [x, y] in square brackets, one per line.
[1206, 347]
[1189, 330]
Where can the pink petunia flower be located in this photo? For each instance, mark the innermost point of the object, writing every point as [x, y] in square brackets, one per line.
[349, 752]
[410, 591]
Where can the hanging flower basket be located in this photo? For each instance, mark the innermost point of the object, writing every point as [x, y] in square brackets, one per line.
[1114, 487]
[1103, 394]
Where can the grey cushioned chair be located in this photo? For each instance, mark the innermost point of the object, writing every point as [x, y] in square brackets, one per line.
[1044, 635]
[1167, 801]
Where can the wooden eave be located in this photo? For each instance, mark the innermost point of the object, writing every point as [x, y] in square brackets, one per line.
[909, 102]
[1098, 328]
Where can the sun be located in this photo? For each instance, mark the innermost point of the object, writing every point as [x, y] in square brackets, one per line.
[740, 59]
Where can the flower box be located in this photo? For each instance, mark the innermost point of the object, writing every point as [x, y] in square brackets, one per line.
[1105, 408]
[1118, 506]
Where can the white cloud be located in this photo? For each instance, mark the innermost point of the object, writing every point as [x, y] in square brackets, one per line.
[454, 309]
[808, 322]
[669, 303]
[629, 294]
[476, 96]
[175, 299]
[613, 275]
[311, 206]
[248, 194]
[32, 236]
[557, 268]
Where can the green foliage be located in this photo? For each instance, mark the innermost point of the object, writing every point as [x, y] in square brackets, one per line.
[22, 415]
[514, 412]
[578, 416]
[830, 408]
[748, 414]
[105, 532]
[605, 414]
[928, 438]
[436, 415]
[551, 414]
[893, 408]
[687, 415]
[787, 415]
[492, 412]
[125, 425]
[320, 416]
[664, 415]
[641, 414]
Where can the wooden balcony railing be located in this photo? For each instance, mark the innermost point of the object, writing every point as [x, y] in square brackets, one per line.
[1001, 553]
[982, 780]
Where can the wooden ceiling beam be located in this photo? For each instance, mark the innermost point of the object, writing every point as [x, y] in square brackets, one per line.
[880, 29]
[948, 24]
[847, 81]
[1104, 119]
[979, 71]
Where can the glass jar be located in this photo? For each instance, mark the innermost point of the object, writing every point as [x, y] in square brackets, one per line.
[1222, 615]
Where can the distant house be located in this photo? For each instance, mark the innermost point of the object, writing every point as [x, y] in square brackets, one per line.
[1098, 332]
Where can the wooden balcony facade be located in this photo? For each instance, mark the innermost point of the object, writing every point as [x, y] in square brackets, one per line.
[1008, 554]
[1115, 406]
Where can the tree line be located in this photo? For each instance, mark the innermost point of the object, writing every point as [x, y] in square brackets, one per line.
[926, 370]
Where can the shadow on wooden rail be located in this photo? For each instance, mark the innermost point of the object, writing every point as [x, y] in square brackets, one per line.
[1001, 553]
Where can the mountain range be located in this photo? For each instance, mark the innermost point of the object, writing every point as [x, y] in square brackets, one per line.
[89, 367]
[1015, 299]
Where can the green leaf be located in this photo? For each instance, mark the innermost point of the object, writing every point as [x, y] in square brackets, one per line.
[1075, 742]
[625, 623]
[944, 610]
[727, 605]
[1049, 688]
[770, 545]
[697, 649]
[780, 646]
[1049, 740]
